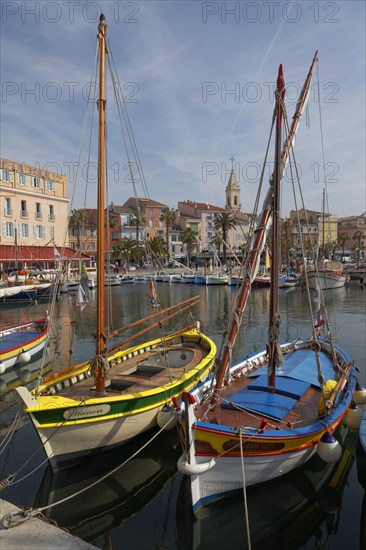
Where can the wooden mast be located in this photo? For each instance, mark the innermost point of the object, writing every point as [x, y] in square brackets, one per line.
[251, 266]
[274, 315]
[100, 334]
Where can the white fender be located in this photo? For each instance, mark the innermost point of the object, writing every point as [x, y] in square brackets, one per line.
[194, 469]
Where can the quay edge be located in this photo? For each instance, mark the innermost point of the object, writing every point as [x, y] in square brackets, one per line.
[36, 534]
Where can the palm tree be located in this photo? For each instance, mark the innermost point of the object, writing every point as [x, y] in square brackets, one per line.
[168, 216]
[157, 246]
[189, 238]
[342, 238]
[217, 241]
[138, 220]
[224, 222]
[358, 237]
[78, 218]
[124, 249]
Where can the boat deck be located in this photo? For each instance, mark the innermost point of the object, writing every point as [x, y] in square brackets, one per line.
[140, 373]
[306, 407]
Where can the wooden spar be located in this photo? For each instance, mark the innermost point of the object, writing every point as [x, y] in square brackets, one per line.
[154, 325]
[274, 314]
[100, 336]
[191, 301]
[259, 240]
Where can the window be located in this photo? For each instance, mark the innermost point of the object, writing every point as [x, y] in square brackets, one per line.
[22, 179]
[73, 246]
[24, 230]
[39, 232]
[93, 246]
[8, 229]
[38, 211]
[50, 185]
[72, 232]
[8, 211]
[51, 213]
[36, 182]
[23, 209]
[6, 175]
[52, 232]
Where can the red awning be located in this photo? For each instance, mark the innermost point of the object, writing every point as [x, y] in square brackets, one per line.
[11, 254]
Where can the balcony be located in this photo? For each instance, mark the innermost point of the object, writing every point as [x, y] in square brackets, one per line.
[24, 213]
[8, 211]
[39, 216]
[51, 217]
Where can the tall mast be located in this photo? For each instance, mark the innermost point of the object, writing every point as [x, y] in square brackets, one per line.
[274, 315]
[259, 240]
[100, 335]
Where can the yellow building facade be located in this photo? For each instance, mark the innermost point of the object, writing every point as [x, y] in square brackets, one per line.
[33, 205]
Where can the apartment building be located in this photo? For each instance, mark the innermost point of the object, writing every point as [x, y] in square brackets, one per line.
[33, 205]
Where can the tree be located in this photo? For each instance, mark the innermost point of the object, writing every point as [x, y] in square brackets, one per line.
[138, 220]
[217, 241]
[342, 238]
[358, 237]
[124, 249]
[157, 247]
[189, 238]
[224, 222]
[78, 218]
[168, 216]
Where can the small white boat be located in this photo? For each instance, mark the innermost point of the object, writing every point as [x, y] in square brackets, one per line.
[126, 279]
[112, 280]
[327, 277]
[187, 278]
[200, 279]
[217, 279]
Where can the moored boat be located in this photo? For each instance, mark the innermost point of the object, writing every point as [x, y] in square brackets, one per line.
[22, 343]
[217, 279]
[123, 391]
[268, 414]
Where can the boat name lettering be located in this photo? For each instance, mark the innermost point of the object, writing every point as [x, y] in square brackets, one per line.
[86, 412]
[254, 446]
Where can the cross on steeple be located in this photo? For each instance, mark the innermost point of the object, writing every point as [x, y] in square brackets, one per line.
[232, 162]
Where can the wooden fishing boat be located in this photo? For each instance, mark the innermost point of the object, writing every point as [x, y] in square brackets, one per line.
[327, 276]
[268, 414]
[22, 343]
[120, 393]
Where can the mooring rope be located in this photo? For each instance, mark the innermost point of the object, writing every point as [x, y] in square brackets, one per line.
[246, 516]
[9, 519]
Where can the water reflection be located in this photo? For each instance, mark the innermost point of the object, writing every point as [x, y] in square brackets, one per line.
[283, 514]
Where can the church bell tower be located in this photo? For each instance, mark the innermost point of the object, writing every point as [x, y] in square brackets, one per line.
[232, 191]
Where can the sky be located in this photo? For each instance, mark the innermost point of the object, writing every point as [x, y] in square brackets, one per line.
[198, 82]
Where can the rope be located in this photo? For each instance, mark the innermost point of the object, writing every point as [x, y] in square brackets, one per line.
[9, 518]
[13, 428]
[246, 516]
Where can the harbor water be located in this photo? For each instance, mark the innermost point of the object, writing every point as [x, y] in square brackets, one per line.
[144, 504]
